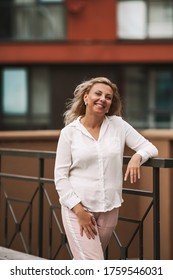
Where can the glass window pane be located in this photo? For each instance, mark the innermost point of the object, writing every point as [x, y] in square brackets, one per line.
[164, 98]
[24, 1]
[132, 19]
[161, 98]
[5, 20]
[136, 96]
[33, 20]
[164, 88]
[15, 91]
[39, 22]
[163, 120]
[40, 88]
[160, 19]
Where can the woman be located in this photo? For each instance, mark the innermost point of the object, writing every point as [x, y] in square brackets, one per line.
[88, 166]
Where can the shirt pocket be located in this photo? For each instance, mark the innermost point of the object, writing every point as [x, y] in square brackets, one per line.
[113, 145]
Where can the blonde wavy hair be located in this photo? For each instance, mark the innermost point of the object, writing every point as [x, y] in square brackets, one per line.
[76, 106]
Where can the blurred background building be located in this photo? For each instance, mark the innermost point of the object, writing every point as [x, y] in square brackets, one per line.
[47, 47]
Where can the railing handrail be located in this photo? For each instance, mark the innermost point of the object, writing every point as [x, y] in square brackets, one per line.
[27, 153]
[152, 162]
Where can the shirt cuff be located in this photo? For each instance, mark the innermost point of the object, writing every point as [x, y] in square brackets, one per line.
[144, 156]
[70, 202]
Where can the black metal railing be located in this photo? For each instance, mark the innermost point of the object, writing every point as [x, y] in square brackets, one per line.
[41, 213]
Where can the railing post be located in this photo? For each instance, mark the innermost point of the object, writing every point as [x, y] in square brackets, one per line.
[141, 241]
[124, 253]
[40, 210]
[156, 213]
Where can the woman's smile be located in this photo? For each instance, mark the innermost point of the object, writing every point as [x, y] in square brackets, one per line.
[100, 105]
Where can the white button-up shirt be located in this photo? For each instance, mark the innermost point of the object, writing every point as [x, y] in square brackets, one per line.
[90, 171]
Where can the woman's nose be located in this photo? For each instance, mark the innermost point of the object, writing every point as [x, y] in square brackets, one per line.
[102, 97]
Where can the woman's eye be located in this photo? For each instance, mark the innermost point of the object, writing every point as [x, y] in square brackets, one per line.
[109, 97]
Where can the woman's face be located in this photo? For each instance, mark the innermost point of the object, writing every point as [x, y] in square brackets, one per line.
[99, 99]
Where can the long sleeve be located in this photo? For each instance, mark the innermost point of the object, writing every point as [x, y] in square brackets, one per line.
[138, 143]
[64, 188]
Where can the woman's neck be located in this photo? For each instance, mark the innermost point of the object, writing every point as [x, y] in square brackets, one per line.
[91, 121]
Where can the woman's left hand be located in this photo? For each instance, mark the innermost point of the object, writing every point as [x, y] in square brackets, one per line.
[133, 168]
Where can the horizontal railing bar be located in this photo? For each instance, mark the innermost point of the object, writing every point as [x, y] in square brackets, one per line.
[154, 162]
[138, 192]
[126, 219]
[27, 178]
[27, 153]
[46, 180]
[11, 199]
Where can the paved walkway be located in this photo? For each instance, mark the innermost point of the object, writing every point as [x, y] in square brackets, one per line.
[9, 254]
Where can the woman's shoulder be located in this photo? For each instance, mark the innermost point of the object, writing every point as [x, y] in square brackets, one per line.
[115, 119]
[119, 122]
[118, 119]
[69, 128]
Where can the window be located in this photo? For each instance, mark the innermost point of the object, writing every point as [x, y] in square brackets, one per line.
[141, 19]
[160, 15]
[40, 98]
[161, 98]
[14, 92]
[25, 98]
[148, 97]
[136, 96]
[32, 20]
[132, 19]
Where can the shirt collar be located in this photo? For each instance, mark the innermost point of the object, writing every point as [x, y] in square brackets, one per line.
[103, 128]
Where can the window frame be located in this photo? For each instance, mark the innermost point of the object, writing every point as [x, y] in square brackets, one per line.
[31, 36]
[147, 37]
[151, 74]
[25, 81]
[28, 119]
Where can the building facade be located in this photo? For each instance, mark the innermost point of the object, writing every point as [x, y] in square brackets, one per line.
[47, 47]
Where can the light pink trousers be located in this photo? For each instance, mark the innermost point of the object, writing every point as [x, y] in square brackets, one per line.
[83, 248]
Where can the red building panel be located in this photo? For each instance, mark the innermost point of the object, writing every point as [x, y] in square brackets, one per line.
[86, 52]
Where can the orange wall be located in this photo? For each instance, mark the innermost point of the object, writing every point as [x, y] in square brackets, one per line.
[85, 53]
[96, 21]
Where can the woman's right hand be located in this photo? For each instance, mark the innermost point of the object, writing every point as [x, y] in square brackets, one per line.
[86, 221]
